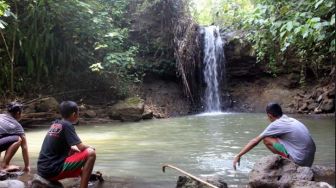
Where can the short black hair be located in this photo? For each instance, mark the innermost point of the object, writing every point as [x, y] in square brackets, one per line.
[67, 108]
[14, 107]
[274, 109]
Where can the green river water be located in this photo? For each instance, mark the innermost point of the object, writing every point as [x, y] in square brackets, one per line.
[202, 145]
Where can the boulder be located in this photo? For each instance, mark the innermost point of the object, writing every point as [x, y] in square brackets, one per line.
[89, 114]
[187, 182]
[328, 105]
[274, 171]
[40, 182]
[130, 109]
[324, 173]
[312, 106]
[148, 114]
[331, 92]
[292, 81]
[48, 104]
[303, 108]
[309, 184]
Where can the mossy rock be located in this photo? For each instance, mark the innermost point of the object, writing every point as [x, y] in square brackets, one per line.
[48, 104]
[130, 109]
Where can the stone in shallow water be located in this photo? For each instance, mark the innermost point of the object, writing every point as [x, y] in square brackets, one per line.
[130, 109]
[187, 182]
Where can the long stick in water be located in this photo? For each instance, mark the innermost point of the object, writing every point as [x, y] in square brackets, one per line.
[190, 175]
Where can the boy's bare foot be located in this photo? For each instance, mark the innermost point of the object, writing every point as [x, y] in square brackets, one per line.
[11, 168]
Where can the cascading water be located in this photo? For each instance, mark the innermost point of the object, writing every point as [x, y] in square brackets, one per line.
[213, 60]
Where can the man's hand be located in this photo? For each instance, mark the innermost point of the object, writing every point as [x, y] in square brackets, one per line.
[235, 161]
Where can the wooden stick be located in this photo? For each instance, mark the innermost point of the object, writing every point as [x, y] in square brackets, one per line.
[190, 175]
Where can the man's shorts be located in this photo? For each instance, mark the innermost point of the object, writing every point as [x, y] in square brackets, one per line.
[72, 166]
[7, 141]
[280, 149]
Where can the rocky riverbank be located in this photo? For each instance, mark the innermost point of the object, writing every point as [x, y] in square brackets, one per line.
[156, 98]
[273, 172]
[26, 180]
[163, 99]
[253, 96]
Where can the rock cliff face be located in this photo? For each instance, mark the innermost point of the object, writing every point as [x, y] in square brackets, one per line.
[240, 56]
[251, 87]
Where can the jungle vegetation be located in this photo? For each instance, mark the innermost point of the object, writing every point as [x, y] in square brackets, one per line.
[108, 46]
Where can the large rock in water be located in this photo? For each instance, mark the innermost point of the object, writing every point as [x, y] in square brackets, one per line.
[274, 171]
[187, 182]
[48, 104]
[130, 109]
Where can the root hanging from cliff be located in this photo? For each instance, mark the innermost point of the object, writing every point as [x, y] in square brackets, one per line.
[173, 36]
[187, 52]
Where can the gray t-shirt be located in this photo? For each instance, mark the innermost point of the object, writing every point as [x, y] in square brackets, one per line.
[9, 126]
[295, 137]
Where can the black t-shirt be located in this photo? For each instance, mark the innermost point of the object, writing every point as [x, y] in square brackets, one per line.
[55, 148]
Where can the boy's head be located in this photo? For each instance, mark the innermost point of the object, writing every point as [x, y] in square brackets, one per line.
[69, 111]
[15, 110]
[273, 111]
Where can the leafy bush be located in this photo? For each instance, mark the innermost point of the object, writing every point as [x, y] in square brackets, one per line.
[303, 28]
[75, 35]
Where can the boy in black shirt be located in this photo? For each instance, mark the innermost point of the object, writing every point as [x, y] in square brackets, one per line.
[63, 155]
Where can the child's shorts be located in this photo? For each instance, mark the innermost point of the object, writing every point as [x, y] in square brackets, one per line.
[72, 166]
[280, 149]
[7, 141]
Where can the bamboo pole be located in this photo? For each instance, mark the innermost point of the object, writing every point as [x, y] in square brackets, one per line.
[188, 174]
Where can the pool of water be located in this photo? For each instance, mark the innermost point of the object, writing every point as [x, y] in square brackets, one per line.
[202, 145]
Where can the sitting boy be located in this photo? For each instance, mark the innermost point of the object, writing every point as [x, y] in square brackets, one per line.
[63, 155]
[12, 137]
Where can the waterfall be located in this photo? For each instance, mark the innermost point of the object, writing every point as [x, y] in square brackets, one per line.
[213, 60]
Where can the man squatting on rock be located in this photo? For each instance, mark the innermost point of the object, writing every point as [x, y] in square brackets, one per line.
[12, 137]
[284, 136]
[63, 155]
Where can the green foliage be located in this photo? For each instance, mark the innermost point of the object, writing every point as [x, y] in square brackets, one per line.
[6, 56]
[153, 31]
[202, 11]
[75, 36]
[301, 28]
[278, 29]
[225, 13]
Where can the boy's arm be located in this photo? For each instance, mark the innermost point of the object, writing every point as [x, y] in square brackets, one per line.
[251, 144]
[25, 155]
[82, 146]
